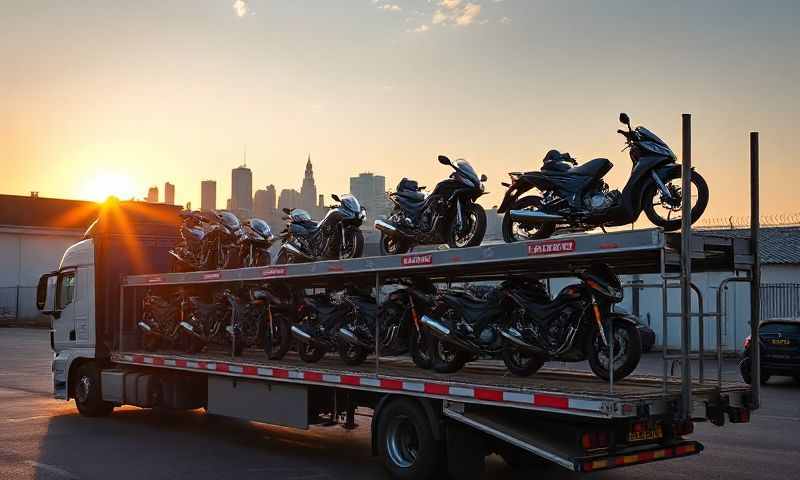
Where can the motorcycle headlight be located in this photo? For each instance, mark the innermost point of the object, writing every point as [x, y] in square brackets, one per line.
[362, 214]
[483, 187]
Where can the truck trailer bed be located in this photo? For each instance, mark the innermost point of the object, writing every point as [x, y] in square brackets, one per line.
[551, 390]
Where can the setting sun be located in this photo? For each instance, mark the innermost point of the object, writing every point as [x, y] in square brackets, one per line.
[106, 184]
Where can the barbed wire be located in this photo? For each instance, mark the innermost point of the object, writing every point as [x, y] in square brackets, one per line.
[777, 220]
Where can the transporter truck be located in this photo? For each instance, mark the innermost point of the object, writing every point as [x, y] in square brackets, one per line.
[423, 424]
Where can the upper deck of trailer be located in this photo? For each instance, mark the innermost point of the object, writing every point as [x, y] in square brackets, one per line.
[632, 251]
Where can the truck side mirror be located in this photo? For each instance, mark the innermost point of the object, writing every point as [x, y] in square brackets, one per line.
[46, 293]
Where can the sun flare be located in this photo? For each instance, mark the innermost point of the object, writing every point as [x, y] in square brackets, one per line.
[106, 184]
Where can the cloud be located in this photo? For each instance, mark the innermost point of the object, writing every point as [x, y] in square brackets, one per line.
[241, 8]
[455, 12]
[389, 7]
[420, 29]
[505, 20]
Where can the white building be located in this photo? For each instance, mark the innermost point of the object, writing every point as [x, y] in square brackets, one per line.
[34, 232]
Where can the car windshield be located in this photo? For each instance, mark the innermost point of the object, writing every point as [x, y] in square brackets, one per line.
[351, 203]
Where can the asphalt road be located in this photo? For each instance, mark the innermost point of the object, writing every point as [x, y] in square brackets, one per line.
[42, 438]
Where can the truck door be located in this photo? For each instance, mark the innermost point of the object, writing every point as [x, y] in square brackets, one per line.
[83, 305]
[64, 335]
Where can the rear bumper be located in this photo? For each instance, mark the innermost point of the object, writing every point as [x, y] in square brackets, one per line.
[638, 456]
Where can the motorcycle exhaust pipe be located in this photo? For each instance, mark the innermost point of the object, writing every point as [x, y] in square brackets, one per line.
[350, 337]
[300, 335]
[440, 331]
[296, 251]
[189, 328]
[147, 328]
[388, 229]
[515, 337]
[532, 216]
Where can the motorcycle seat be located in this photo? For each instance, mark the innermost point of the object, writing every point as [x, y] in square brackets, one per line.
[595, 168]
[322, 306]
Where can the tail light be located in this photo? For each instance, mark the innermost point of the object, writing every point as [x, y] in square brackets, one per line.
[747, 342]
[594, 440]
[683, 428]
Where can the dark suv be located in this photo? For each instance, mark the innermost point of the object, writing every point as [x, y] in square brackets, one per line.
[780, 350]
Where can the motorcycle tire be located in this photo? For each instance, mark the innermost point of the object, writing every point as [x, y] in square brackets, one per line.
[420, 349]
[150, 342]
[279, 340]
[357, 241]
[699, 185]
[283, 258]
[633, 351]
[476, 213]
[194, 345]
[521, 364]
[310, 353]
[352, 355]
[393, 245]
[446, 358]
[541, 231]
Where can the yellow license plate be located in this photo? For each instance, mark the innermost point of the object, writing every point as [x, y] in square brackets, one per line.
[648, 433]
[781, 341]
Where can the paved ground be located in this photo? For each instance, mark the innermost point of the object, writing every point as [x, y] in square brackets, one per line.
[42, 438]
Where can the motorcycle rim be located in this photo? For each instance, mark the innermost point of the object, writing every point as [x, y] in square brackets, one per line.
[515, 232]
[668, 213]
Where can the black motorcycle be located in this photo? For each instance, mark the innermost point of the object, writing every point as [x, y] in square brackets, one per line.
[529, 329]
[255, 243]
[448, 215]
[576, 199]
[316, 331]
[160, 323]
[217, 322]
[207, 241]
[336, 236]
[263, 317]
[400, 328]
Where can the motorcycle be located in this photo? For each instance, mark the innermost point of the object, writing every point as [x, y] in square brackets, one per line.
[577, 199]
[160, 323]
[255, 243]
[448, 215]
[319, 319]
[336, 236]
[529, 329]
[263, 318]
[216, 322]
[208, 241]
[400, 331]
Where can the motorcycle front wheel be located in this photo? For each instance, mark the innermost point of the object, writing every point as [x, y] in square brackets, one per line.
[520, 363]
[353, 246]
[666, 212]
[277, 339]
[283, 258]
[393, 245]
[627, 351]
[471, 235]
[310, 353]
[514, 232]
[352, 355]
[419, 345]
[447, 358]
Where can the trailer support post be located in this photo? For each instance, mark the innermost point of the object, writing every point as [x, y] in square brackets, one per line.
[686, 267]
[755, 277]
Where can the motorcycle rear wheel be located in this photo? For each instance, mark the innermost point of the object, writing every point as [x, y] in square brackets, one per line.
[419, 345]
[520, 363]
[150, 341]
[543, 230]
[475, 216]
[279, 339]
[310, 353]
[352, 355]
[283, 258]
[393, 245]
[652, 198]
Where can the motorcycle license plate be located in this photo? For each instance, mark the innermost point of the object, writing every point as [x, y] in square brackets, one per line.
[639, 433]
[781, 342]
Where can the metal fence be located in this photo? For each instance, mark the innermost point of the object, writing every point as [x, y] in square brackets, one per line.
[780, 300]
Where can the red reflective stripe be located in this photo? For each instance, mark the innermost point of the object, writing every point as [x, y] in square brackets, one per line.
[350, 380]
[158, 361]
[436, 389]
[550, 401]
[138, 359]
[646, 456]
[312, 376]
[684, 449]
[391, 384]
[280, 373]
[222, 367]
[248, 370]
[487, 394]
[180, 363]
[201, 365]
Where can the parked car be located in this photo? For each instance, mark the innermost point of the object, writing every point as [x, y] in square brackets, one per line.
[780, 350]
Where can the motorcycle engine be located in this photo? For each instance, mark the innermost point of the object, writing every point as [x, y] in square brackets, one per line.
[599, 201]
[488, 336]
[555, 332]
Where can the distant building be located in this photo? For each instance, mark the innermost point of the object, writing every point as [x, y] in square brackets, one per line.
[152, 194]
[228, 204]
[260, 208]
[272, 198]
[370, 190]
[308, 190]
[289, 198]
[169, 193]
[321, 201]
[208, 195]
[241, 189]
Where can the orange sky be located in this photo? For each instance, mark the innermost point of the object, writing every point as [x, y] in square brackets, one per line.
[99, 97]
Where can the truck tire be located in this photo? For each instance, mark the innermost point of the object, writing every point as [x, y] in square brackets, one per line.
[405, 441]
[87, 392]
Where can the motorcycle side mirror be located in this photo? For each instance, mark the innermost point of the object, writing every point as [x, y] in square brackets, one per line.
[484, 178]
[335, 198]
[444, 160]
[625, 119]
[287, 211]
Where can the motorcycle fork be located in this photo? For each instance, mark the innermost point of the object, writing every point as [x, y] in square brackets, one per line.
[459, 216]
[663, 188]
[598, 319]
[414, 316]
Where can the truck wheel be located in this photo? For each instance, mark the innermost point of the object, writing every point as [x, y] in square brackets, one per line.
[87, 393]
[405, 441]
